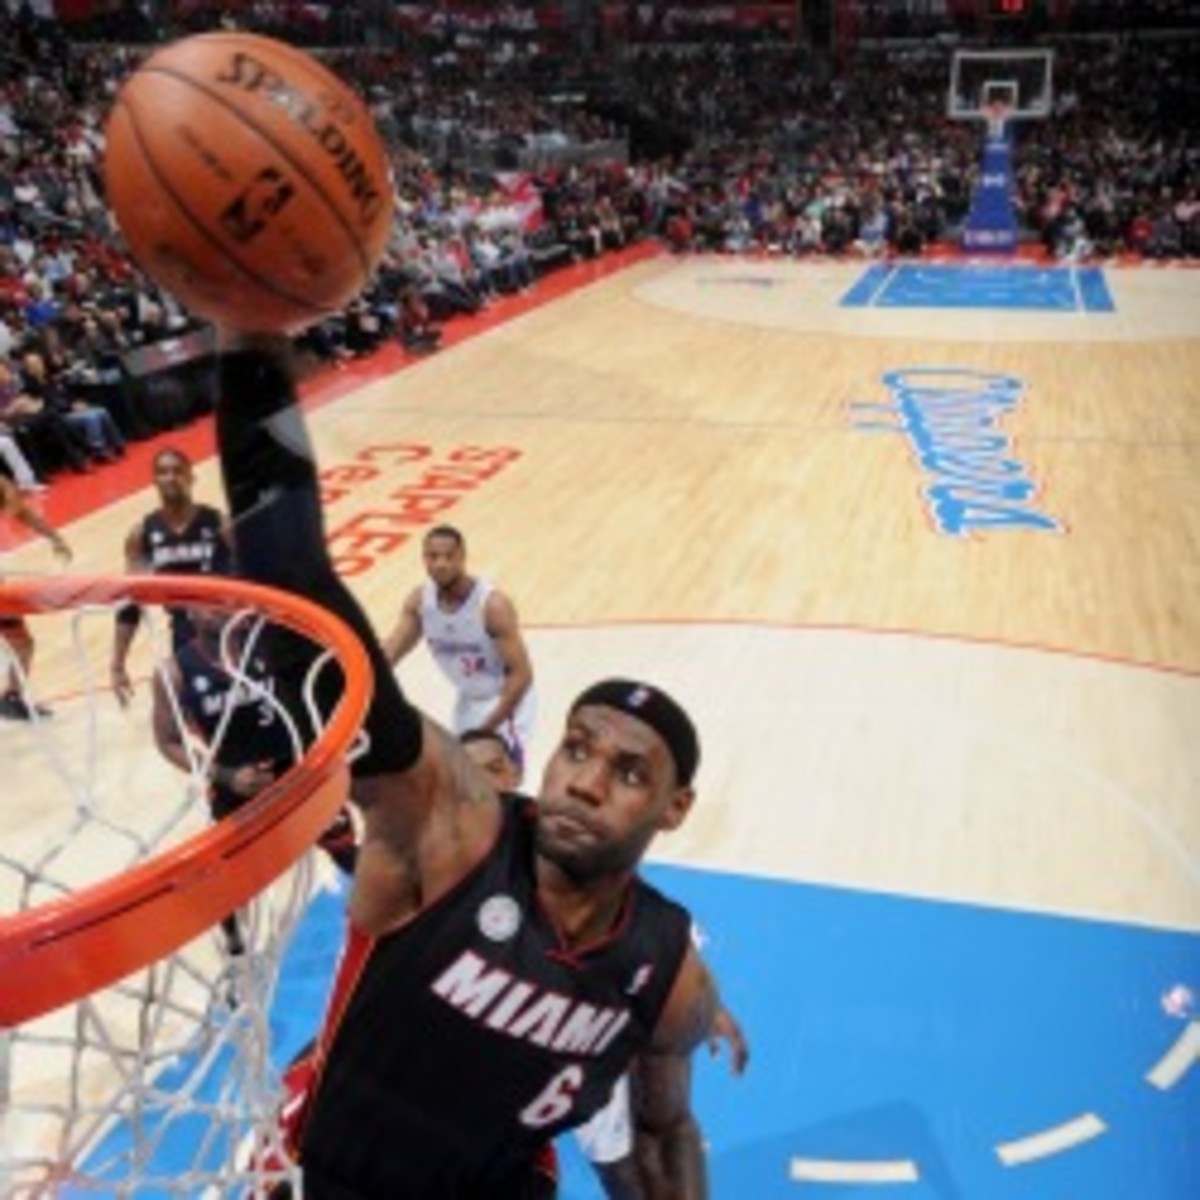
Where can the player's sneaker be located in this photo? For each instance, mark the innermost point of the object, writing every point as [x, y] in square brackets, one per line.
[15, 707]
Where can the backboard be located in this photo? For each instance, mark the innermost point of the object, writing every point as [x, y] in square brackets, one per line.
[1021, 80]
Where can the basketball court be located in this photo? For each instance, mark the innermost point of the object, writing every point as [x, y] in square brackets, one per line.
[919, 545]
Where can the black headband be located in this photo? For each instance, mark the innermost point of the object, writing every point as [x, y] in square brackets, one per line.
[653, 708]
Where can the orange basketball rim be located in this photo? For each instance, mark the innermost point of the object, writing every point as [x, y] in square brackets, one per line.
[66, 948]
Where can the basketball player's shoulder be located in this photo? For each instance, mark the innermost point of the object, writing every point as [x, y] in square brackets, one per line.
[142, 529]
[656, 916]
[654, 898]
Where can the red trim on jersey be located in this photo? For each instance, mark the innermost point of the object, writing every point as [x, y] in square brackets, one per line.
[546, 1162]
[355, 955]
[572, 956]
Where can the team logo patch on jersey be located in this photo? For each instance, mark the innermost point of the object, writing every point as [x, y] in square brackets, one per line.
[499, 918]
[641, 977]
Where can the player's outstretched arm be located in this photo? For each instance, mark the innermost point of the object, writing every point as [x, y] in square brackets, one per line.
[270, 476]
[423, 824]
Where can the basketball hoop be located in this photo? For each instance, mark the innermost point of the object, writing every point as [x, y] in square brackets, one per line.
[1000, 85]
[997, 114]
[110, 898]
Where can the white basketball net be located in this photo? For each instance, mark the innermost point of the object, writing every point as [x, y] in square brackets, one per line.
[162, 1084]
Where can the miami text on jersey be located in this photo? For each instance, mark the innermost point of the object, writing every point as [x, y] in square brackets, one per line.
[498, 999]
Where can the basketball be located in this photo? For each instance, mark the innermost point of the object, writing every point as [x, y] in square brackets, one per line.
[248, 180]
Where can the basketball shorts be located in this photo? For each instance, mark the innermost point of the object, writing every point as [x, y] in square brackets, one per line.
[608, 1136]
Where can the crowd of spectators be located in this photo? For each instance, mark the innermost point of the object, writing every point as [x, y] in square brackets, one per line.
[774, 155]
[868, 160]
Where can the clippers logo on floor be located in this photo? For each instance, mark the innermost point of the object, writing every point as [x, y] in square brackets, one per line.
[951, 418]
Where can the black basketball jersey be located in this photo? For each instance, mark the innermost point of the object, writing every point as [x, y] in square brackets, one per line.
[199, 548]
[254, 732]
[469, 1038]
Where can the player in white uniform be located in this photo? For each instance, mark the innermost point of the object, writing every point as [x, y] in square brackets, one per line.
[474, 635]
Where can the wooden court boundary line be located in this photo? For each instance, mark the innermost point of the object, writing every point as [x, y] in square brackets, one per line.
[898, 631]
[1099, 656]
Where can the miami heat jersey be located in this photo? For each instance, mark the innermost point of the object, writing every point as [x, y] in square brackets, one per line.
[253, 732]
[470, 1037]
[199, 548]
[460, 643]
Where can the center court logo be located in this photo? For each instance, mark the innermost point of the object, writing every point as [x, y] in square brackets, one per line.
[951, 418]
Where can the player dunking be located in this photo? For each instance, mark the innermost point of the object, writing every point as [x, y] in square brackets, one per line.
[505, 963]
[606, 1139]
[473, 633]
[14, 630]
[181, 537]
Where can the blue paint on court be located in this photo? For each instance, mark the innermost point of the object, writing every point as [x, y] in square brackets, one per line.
[981, 286]
[892, 1028]
[888, 1028]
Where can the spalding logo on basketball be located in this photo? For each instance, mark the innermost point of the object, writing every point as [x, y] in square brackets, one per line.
[248, 180]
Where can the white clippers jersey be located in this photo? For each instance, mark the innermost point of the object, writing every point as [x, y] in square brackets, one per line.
[460, 644]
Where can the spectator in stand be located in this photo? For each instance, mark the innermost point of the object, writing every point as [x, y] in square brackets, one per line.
[444, 297]
[680, 230]
[12, 328]
[460, 288]
[754, 153]
[94, 426]
[363, 328]
[41, 307]
[908, 234]
[514, 253]
[45, 439]
[497, 266]
[94, 369]
[417, 329]
[612, 228]
[579, 228]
